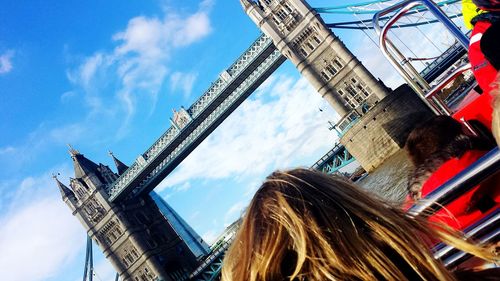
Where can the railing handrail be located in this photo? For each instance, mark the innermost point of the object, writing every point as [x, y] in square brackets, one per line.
[457, 185]
[403, 7]
[461, 69]
[431, 94]
[434, 9]
[442, 250]
[417, 82]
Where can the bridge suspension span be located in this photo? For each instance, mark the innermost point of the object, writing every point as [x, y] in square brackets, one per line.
[190, 126]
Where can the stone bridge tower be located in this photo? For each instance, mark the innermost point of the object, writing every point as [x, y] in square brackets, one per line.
[301, 36]
[142, 237]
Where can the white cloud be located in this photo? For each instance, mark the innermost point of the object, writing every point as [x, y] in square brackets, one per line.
[183, 81]
[210, 236]
[38, 230]
[7, 149]
[183, 187]
[67, 96]
[137, 67]
[193, 28]
[114, 81]
[143, 36]
[104, 271]
[234, 212]
[262, 135]
[6, 62]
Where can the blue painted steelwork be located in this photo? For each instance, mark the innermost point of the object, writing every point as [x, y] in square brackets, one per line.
[88, 271]
[234, 85]
[348, 9]
[211, 266]
[212, 271]
[443, 62]
[334, 160]
[358, 24]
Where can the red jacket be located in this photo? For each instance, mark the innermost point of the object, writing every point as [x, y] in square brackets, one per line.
[460, 213]
[483, 71]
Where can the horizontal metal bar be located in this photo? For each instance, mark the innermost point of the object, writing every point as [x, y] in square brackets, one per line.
[456, 186]
[350, 25]
[384, 43]
[461, 69]
[460, 256]
[473, 231]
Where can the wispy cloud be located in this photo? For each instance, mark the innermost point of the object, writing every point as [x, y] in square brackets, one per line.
[183, 82]
[6, 62]
[17, 158]
[67, 96]
[136, 68]
[109, 84]
[7, 149]
[265, 133]
[37, 228]
[234, 212]
[209, 236]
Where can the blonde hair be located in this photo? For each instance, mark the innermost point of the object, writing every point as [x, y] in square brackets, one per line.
[495, 126]
[306, 225]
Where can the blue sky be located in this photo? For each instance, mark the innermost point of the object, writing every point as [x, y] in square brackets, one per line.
[105, 75]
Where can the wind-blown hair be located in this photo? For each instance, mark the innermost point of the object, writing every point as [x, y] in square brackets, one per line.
[495, 126]
[306, 225]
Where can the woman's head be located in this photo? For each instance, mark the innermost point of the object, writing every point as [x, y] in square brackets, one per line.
[438, 140]
[306, 225]
[431, 138]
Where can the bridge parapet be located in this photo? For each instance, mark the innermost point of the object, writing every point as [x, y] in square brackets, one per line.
[203, 126]
[228, 91]
[236, 68]
[261, 42]
[333, 160]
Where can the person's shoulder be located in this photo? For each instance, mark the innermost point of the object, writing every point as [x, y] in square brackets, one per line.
[471, 156]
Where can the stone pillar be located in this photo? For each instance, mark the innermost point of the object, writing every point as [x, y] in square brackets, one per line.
[301, 36]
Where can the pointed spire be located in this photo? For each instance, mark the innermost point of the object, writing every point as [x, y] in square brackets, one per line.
[72, 151]
[245, 4]
[65, 191]
[120, 166]
[81, 164]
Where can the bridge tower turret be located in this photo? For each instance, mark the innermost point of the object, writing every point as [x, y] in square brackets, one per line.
[301, 36]
[142, 237]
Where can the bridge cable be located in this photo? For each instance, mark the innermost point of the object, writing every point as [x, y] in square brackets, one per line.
[349, 7]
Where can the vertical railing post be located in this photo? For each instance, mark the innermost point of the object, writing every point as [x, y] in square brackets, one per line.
[441, 16]
[413, 78]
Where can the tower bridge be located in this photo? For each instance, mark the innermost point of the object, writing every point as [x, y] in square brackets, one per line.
[115, 207]
[191, 126]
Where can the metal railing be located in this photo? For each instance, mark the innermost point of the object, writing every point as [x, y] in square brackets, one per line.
[485, 230]
[213, 256]
[431, 94]
[478, 171]
[399, 61]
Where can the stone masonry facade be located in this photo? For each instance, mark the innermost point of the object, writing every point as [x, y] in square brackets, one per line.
[302, 37]
[383, 130]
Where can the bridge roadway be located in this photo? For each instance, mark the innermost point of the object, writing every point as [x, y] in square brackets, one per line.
[333, 160]
[224, 95]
